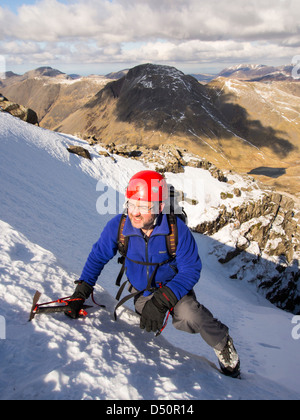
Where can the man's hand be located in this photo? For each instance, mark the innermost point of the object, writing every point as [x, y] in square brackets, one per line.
[155, 310]
[82, 292]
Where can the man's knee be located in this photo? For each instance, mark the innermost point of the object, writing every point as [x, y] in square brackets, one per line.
[187, 314]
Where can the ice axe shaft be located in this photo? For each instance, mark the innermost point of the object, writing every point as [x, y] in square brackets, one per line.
[44, 309]
[56, 309]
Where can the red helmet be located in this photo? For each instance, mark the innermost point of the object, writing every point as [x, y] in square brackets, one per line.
[147, 186]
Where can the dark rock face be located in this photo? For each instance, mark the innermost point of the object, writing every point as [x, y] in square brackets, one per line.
[272, 231]
[163, 98]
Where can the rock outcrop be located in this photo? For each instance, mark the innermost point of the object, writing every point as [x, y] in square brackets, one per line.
[80, 151]
[167, 157]
[19, 111]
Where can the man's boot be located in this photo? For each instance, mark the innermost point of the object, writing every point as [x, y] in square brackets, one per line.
[229, 360]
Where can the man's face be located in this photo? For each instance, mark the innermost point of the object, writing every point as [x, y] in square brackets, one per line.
[142, 213]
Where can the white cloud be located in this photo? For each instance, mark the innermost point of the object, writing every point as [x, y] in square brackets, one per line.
[158, 30]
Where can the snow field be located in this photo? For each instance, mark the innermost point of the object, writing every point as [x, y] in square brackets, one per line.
[48, 223]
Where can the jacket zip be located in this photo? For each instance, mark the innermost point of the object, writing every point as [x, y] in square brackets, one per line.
[147, 257]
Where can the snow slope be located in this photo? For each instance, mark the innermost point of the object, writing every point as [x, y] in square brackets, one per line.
[49, 219]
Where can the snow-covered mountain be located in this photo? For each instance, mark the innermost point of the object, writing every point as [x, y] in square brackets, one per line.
[53, 207]
[258, 72]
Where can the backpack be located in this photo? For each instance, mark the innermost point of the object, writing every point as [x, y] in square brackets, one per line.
[172, 209]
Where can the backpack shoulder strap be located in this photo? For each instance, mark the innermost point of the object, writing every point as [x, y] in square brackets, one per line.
[172, 238]
[122, 240]
[122, 247]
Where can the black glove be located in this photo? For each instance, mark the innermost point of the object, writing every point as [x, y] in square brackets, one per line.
[154, 311]
[82, 292]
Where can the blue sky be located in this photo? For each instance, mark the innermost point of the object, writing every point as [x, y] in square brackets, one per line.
[99, 36]
[13, 5]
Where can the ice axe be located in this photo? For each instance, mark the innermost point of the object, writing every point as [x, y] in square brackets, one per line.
[49, 308]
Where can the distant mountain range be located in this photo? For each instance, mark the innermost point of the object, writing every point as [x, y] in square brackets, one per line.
[258, 73]
[250, 72]
[245, 118]
[39, 72]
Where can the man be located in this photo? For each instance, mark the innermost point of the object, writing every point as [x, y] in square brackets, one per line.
[160, 283]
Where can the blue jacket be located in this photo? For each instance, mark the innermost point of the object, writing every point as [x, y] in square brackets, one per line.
[180, 275]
